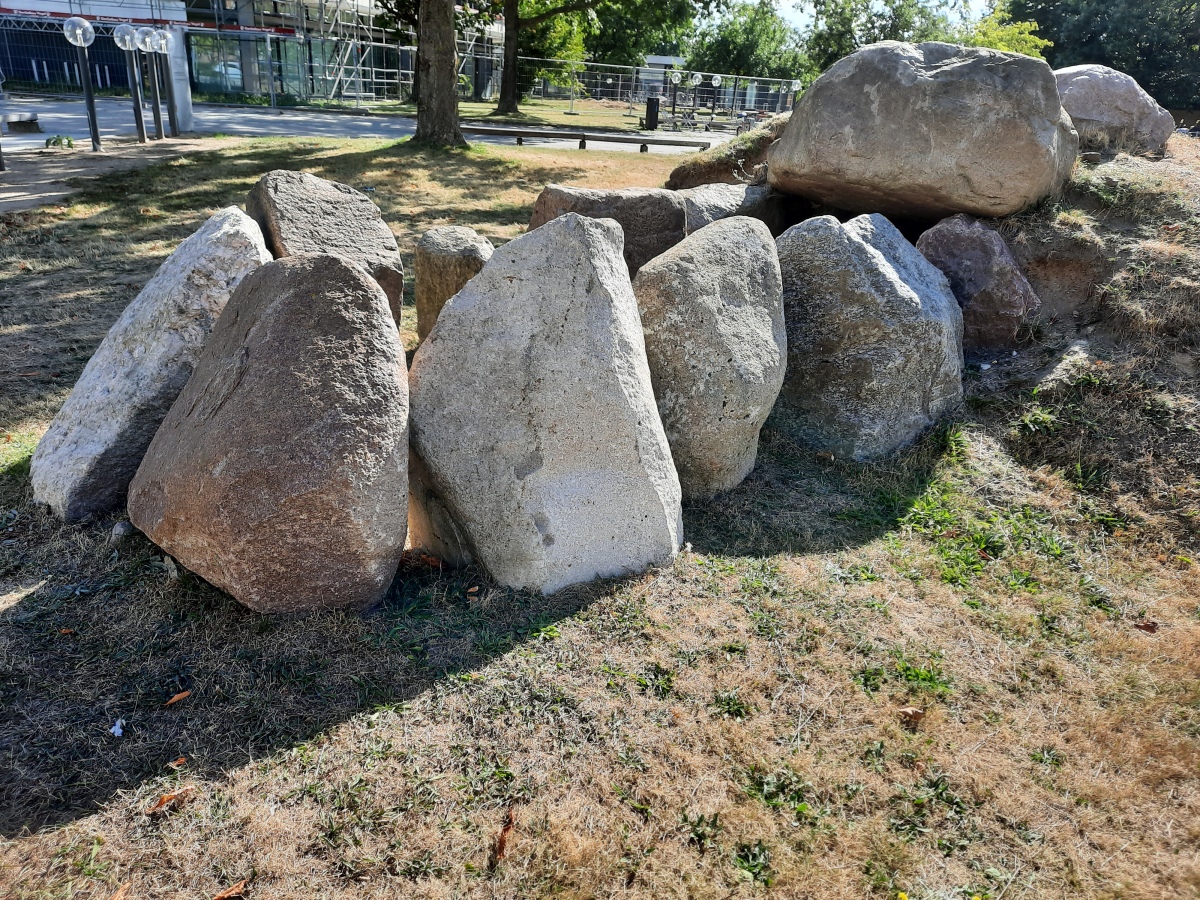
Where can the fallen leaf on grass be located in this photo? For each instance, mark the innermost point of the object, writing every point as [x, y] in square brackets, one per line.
[66, 631]
[172, 799]
[230, 892]
[122, 892]
[501, 843]
[176, 763]
[1148, 627]
[182, 695]
[911, 715]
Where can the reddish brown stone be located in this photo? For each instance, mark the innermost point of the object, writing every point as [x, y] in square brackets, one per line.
[280, 475]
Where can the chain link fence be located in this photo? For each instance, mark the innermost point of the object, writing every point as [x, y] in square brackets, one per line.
[287, 67]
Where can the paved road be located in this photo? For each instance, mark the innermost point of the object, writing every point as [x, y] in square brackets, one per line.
[68, 117]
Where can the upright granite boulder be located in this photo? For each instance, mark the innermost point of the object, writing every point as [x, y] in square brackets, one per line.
[653, 220]
[281, 473]
[447, 258]
[536, 445]
[301, 213]
[987, 282]
[874, 338]
[84, 463]
[928, 130]
[713, 318]
[1110, 109]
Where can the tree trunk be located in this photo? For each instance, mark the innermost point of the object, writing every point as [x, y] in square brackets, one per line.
[509, 93]
[437, 71]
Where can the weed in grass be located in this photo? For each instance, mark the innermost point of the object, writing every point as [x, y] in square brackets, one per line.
[755, 860]
[731, 705]
[658, 681]
[702, 831]
[1050, 757]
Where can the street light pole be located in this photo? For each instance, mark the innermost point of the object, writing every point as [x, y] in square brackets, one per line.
[79, 32]
[147, 42]
[164, 48]
[125, 37]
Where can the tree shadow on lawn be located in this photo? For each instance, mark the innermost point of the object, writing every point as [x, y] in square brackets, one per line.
[103, 634]
[109, 635]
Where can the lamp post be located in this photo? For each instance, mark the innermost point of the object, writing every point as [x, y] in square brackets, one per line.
[165, 40]
[716, 83]
[676, 77]
[79, 32]
[696, 79]
[125, 37]
[147, 42]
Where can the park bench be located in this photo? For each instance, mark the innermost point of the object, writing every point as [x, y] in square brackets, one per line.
[584, 136]
[20, 122]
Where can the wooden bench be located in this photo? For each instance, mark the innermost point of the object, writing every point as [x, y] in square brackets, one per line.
[583, 137]
[20, 123]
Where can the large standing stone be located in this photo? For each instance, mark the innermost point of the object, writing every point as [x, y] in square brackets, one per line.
[987, 282]
[926, 131]
[301, 213]
[84, 463]
[281, 473]
[654, 220]
[1110, 108]
[874, 337]
[447, 258]
[715, 340]
[537, 446]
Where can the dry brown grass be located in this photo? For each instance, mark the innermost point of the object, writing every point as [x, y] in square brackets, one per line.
[728, 727]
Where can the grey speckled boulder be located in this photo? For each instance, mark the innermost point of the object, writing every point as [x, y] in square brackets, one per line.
[653, 220]
[874, 338]
[715, 339]
[994, 295]
[301, 213]
[709, 203]
[84, 463]
[281, 473]
[926, 131]
[1109, 108]
[536, 444]
[447, 258]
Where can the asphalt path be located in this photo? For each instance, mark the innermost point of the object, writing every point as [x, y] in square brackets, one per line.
[69, 117]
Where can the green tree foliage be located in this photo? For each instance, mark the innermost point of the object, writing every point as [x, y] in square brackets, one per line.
[1155, 41]
[750, 39]
[625, 34]
[842, 26]
[998, 31]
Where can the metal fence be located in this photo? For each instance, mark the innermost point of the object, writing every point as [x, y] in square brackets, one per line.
[286, 67]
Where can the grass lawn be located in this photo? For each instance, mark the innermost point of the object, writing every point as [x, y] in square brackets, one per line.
[969, 670]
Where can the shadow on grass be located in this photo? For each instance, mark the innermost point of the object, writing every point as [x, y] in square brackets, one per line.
[99, 634]
[800, 501]
[104, 635]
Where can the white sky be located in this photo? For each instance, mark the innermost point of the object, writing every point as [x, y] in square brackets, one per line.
[787, 8]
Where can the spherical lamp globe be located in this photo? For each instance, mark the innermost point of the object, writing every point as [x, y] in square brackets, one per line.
[79, 31]
[126, 37]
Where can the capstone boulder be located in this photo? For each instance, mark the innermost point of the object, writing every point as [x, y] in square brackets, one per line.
[537, 447]
[301, 213]
[1110, 109]
[715, 339]
[84, 463]
[874, 338]
[447, 258]
[653, 220]
[994, 294]
[927, 130]
[280, 475]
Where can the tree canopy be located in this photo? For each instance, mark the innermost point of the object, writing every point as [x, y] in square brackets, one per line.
[750, 39]
[1155, 41]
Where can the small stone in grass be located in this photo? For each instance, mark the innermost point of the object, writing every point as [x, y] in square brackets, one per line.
[120, 532]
